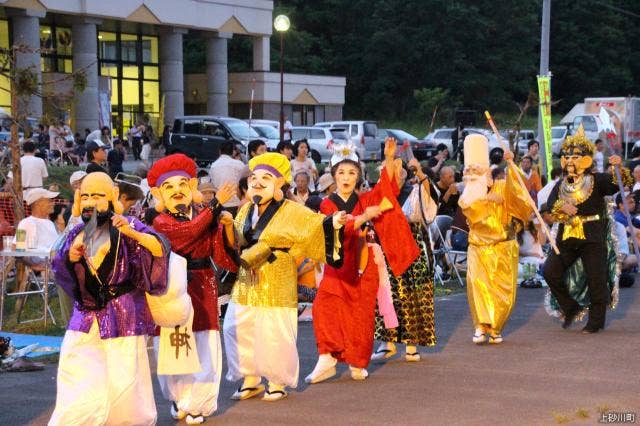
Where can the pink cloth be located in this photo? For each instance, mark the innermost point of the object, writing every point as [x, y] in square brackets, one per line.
[385, 301]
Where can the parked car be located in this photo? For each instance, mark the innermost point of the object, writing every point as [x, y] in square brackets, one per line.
[524, 137]
[273, 123]
[362, 134]
[268, 134]
[319, 139]
[558, 135]
[421, 148]
[439, 136]
[200, 137]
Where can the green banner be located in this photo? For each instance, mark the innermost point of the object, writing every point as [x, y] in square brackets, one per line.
[544, 93]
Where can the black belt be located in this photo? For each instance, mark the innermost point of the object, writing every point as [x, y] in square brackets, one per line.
[200, 263]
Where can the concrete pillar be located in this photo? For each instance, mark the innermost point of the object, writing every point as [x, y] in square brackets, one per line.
[85, 57]
[26, 31]
[217, 74]
[171, 73]
[261, 54]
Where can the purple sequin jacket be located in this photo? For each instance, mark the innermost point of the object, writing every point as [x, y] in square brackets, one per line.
[135, 267]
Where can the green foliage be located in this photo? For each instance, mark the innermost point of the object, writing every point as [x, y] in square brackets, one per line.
[484, 53]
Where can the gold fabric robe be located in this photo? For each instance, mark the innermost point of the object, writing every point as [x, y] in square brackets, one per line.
[492, 257]
[274, 284]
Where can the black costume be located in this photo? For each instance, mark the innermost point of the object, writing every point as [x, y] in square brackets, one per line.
[581, 236]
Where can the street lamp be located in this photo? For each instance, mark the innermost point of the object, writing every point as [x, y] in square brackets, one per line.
[281, 24]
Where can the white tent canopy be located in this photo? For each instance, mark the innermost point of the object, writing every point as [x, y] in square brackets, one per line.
[578, 109]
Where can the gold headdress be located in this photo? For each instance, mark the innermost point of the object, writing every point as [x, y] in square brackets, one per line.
[577, 142]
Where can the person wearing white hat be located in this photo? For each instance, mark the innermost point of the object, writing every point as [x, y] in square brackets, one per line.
[491, 209]
[39, 229]
[326, 185]
[75, 180]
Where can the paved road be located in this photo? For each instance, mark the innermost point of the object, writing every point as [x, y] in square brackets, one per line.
[541, 374]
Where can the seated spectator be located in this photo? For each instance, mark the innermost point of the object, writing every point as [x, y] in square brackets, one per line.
[531, 255]
[459, 231]
[436, 162]
[635, 158]
[80, 151]
[207, 189]
[39, 229]
[619, 212]
[531, 177]
[449, 194]
[629, 261]
[326, 185]
[75, 180]
[301, 191]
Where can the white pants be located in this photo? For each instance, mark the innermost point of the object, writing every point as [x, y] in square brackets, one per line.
[262, 342]
[103, 381]
[197, 393]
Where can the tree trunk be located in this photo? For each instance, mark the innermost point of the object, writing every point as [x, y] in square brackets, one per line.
[14, 145]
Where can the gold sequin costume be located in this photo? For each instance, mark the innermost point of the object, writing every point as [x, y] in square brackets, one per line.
[492, 256]
[260, 326]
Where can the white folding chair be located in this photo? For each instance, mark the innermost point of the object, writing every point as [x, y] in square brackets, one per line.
[441, 248]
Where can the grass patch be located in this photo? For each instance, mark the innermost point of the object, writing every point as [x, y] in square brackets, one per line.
[32, 309]
[59, 175]
[450, 287]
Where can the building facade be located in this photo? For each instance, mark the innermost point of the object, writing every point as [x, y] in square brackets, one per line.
[132, 54]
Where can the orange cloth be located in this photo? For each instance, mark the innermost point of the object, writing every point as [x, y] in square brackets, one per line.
[533, 183]
[308, 278]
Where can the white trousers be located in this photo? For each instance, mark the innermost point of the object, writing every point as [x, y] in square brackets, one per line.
[262, 342]
[103, 381]
[197, 393]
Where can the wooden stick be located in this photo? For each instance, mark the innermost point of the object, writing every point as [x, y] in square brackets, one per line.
[543, 225]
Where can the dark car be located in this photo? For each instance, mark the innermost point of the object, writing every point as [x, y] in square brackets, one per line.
[421, 149]
[200, 137]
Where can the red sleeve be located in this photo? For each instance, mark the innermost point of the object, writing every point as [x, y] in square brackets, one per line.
[391, 226]
[222, 253]
[184, 234]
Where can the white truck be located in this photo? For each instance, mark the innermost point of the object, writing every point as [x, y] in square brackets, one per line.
[624, 114]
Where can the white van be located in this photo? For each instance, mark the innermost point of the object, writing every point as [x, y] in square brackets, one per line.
[592, 125]
[362, 134]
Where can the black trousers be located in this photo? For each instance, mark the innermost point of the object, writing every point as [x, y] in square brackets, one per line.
[593, 255]
[136, 147]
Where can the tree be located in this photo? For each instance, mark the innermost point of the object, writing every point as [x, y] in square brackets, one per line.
[24, 84]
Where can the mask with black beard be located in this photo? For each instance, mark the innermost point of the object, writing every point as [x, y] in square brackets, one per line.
[88, 213]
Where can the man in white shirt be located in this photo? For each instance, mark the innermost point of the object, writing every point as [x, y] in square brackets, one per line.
[636, 178]
[543, 194]
[598, 156]
[40, 231]
[34, 169]
[228, 169]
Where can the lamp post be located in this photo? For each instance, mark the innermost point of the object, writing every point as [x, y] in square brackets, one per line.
[281, 24]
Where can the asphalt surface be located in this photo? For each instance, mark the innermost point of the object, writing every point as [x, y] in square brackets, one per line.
[541, 374]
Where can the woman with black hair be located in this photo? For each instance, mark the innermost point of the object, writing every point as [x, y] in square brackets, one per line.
[256, 147]
[303, 163]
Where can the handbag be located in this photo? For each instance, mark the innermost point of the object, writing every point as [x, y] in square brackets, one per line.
[419, 206]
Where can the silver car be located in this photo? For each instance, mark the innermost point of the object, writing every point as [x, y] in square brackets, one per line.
[319, 139]
[268, 134]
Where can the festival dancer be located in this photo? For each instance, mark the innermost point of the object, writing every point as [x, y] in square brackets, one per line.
[492, 209]
[200, 236]
[344, 308]
[578, 204]
[106, 265]
[412, 292]
[261, 323]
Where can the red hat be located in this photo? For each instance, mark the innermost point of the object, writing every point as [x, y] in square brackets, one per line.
[171, 165]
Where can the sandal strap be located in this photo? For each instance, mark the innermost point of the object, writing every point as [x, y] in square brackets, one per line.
[383, 351]
[268, 392]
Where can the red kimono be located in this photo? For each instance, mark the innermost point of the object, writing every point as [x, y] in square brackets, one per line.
[344, 307]
[199, 240]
